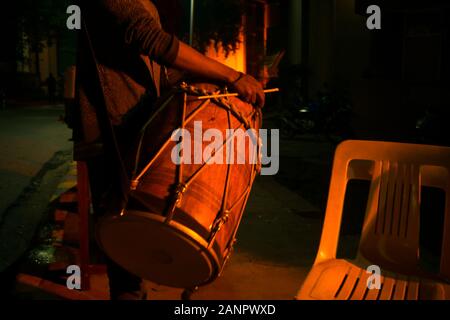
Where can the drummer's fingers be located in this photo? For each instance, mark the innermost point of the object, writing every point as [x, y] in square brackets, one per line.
[247, 95]
[260, 99]
[253, 98]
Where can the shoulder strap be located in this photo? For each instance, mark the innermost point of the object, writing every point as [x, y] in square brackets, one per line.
[110, 139]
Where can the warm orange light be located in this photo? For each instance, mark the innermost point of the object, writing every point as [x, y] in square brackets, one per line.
[234, 60]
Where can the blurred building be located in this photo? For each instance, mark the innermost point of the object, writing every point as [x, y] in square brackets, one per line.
[8, 47]
[22, 70]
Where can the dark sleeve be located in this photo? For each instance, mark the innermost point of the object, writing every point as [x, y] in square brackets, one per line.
[141, 30]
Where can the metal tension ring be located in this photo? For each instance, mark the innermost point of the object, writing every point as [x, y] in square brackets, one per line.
[217, 225]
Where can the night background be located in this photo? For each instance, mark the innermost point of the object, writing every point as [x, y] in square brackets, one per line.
[338, 81]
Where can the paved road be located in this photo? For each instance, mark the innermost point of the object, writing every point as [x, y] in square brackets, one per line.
[34, 148]
[29, 137]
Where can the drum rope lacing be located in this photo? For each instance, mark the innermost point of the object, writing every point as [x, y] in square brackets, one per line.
[222, 101]
[182, 186]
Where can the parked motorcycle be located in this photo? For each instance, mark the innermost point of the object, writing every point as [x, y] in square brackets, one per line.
[329, 114]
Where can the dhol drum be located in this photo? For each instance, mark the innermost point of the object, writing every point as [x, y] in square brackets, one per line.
[193, 169]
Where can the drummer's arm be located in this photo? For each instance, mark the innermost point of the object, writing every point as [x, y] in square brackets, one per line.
[190, 60]
[140, 30]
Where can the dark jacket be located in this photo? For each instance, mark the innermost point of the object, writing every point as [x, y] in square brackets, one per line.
[129, 46]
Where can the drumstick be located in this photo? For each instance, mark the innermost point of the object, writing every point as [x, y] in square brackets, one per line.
[214, 96]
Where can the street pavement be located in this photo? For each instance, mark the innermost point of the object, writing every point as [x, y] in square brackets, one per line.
[35, 148]
[29, 137]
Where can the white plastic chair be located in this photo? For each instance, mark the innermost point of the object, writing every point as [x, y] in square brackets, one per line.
[390, 234]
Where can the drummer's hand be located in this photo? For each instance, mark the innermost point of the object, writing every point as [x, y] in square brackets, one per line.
[250, 90]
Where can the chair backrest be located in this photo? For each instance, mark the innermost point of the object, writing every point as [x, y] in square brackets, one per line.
[391, 228]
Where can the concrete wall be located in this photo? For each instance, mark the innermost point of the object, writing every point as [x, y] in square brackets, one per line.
[340, 55]
[352, 44]
[339, 43]
[321, 43]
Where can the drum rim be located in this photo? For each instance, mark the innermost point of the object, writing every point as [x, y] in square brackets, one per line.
[181, 230]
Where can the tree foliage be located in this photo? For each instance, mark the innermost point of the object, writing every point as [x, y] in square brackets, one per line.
[39, 23]
[218, 22]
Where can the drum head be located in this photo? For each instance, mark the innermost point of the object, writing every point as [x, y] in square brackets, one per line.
[141, 243]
